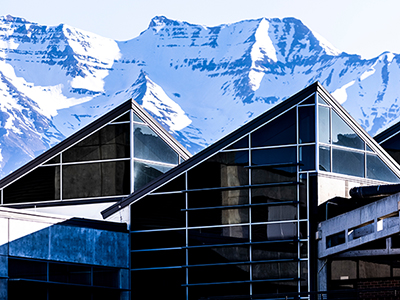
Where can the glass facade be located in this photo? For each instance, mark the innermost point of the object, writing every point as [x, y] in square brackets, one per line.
[238, 224]
[341, 149]
[235, 224]
[35, 279]
[117, 159]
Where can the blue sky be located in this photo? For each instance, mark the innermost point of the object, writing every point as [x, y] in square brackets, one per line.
[365, 27]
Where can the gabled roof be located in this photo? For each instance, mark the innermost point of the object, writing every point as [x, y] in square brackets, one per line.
[388, 133]
[243, 130]
[91, 128]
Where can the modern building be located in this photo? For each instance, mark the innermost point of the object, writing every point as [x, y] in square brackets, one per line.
[253, 216]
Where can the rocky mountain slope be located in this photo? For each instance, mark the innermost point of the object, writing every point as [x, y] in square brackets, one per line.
[199, 82]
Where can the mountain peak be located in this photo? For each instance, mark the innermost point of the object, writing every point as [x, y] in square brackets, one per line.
[12, 19]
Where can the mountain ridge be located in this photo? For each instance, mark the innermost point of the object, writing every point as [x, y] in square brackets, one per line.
[200, 82]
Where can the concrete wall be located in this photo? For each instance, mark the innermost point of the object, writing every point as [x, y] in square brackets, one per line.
[39, 236]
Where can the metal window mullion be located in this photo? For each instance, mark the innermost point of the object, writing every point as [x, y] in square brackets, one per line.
[250, 220]
[308, 237]
[316, 132]
[187, 237]
[61, 176]
[131, 144]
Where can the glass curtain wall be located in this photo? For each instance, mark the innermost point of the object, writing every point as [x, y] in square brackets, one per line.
[99, 166]
[234, 225]
[341, 150]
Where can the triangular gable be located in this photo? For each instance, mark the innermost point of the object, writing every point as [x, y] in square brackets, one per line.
[389, 140]
[278, 119]
[98, 141]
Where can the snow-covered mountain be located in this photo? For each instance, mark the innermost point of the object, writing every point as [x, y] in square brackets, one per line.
[199, 82]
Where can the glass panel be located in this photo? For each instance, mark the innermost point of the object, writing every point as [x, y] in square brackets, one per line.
[224, 169]
[270, 157]
[161, 258]
[124, 118]
[392, 146]
[148, 145]
[343, 269]
[309, 100]
[325, 158]
[272, 251]
[158, 239]
[368, 148]
[156, 284]
[275, 270]
[211, 274]
[303, 187]
[105, 277]
[348, 162]
[158, 211]
[271, 232]
[242, 143]
[137, 119]
[307, 158]
[304, 276]
[266, 213]
[274, 174]
[69, 273]
[377, 169]
[109, 142]
[213, 255]
[307, 124]
[39, 185]
[27, 269]
[177, 184]
[219, 291]
[271, 288]
[217, 198]
[208, 217]
[280, 131]
[274, 156]
[343, 135]
[146, 173]
[54, 160]
[324, 124]
[220, 235]
[321, 100]
[96, 179]
[274, 194]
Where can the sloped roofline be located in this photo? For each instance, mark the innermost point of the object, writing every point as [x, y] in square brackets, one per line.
[388, 133]
[207, 152]
[92, 127]
[241, 131]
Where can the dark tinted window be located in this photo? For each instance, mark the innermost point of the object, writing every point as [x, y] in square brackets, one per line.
[219, 216]
[348, 162]
[274, 156]
[307, 158]
[324, 124]
[281, 131]
[158, 239]
[109, 142]
[213, 198]
[306, 124]
[148, 145]
[124, 118]
[158, 211]
[219, 235]
[211, 255]
[377, 169]
[96, 179]
[343, 135]
[39, 185]
[242, 143]
[222, 170]
[325, 158]
[145, 173]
